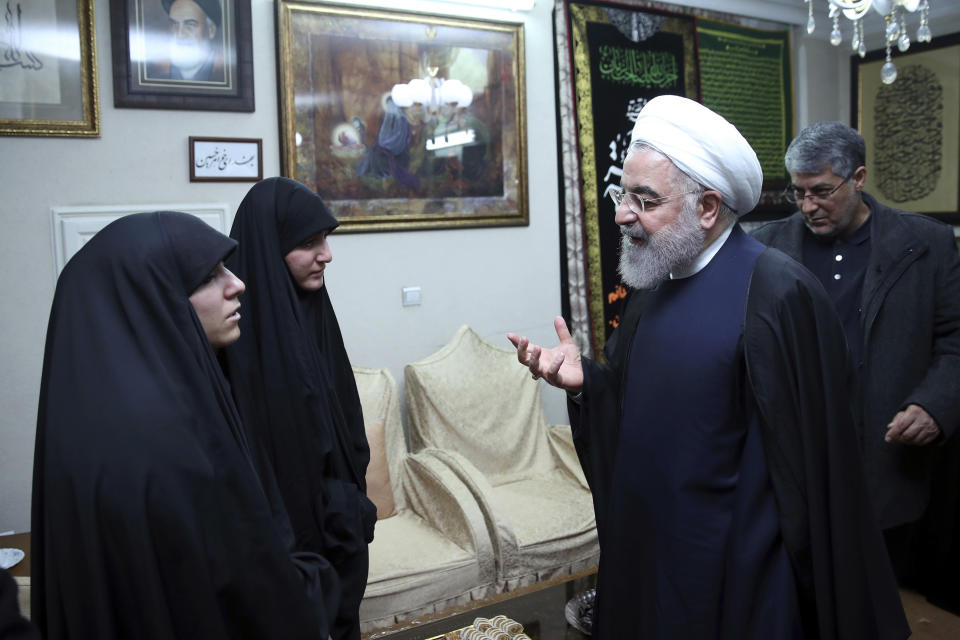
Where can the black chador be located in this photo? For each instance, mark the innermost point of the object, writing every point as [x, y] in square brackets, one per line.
[295, 389]
[149, 520]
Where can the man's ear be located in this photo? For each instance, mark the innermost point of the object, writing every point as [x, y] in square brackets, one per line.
[709, 208]
[859, 177]
[211, 29]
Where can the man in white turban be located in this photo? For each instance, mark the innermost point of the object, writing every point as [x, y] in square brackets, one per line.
[715, 432]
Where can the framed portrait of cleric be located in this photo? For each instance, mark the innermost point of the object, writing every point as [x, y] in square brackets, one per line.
[403, 121]
[48, 69]
[182, 54]
[911, 126]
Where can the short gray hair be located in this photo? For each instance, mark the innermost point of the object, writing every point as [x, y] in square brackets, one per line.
[826, 144]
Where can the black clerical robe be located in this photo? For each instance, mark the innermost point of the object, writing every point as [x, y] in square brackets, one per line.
[794, 356]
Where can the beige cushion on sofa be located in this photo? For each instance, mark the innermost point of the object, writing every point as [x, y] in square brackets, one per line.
[378, 472]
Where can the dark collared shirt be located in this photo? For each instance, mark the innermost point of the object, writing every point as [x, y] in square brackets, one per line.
[840, 264]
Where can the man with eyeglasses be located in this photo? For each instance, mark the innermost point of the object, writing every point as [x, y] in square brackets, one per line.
[894, 277]
[716, 433]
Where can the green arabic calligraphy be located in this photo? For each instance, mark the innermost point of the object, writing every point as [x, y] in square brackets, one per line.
[645, 68]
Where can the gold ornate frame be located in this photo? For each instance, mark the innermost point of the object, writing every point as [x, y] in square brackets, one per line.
[342, 134]
[71, 80]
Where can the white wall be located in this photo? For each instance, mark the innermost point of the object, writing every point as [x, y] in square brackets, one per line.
[821, 72]
[496, 280]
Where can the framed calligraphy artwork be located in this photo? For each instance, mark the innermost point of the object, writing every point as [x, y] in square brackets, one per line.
[182, 54]
[745, 76]
[911, 127]
[48, 69]
[226, 159]
[404, 121]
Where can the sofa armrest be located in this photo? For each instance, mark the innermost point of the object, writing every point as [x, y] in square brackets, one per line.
[565, 453]
[436, 494]
[500, 529]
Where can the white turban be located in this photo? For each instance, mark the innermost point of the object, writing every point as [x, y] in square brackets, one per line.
[704, 146]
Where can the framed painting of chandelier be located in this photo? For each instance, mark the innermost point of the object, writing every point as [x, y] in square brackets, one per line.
[911, 126]
[404, 121]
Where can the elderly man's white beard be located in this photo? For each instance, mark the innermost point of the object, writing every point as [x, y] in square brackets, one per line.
[189, 55]
[674, 246]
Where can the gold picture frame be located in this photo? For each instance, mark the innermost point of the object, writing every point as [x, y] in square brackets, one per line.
[402, 120]
[911, 127]
[48, 79]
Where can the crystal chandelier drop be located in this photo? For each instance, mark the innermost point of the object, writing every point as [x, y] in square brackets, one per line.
[895, 30]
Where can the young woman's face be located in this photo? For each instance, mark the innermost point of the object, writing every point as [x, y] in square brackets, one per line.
[217, 306]
[308, 261]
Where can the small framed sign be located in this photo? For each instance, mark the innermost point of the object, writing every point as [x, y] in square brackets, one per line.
[226, 159]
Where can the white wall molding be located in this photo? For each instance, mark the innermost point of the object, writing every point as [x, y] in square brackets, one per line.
[72, 227]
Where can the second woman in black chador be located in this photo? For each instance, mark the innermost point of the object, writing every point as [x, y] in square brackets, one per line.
[295, 387]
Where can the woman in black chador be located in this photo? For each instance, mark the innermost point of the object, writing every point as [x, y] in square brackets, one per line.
[295, 387]
[149, 520]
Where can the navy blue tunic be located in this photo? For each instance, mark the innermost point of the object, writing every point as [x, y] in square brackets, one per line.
[694, 548]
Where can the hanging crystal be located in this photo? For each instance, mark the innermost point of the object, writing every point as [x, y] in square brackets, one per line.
[893, 29]
[895, 25]
[903, 43]
[888, 72]
[923, 32]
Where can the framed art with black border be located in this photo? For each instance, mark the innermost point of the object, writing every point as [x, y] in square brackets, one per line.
[182, 54]
[911, 127]
[404, 121]
[48, 69]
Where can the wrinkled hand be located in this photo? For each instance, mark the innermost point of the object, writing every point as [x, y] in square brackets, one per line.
[559, 366]
[913, 426]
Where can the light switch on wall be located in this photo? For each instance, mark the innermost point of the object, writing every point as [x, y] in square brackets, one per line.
[411, 296]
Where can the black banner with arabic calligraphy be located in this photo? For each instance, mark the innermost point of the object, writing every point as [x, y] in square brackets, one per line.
[621, 58]
[623, 78]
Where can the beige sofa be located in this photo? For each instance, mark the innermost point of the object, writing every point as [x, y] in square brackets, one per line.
[480, 411]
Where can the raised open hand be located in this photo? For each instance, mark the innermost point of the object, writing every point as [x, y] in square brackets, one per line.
[559, 366]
